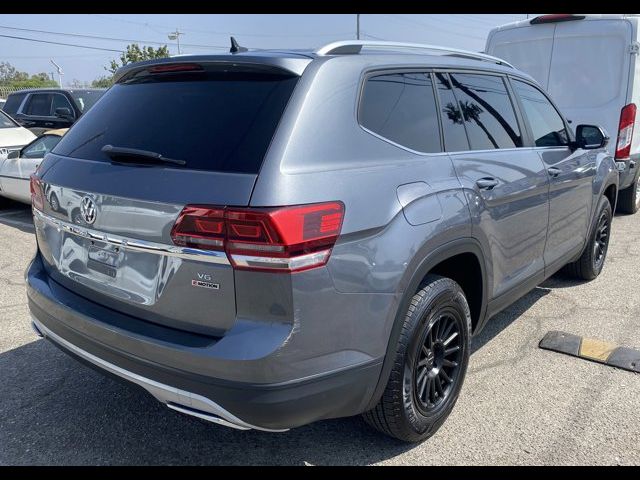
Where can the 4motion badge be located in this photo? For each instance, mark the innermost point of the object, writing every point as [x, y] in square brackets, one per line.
[205, 281]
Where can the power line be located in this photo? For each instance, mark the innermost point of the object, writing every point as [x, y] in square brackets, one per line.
[435, 27]
[60, 43]
[98, 37]
[214, 32]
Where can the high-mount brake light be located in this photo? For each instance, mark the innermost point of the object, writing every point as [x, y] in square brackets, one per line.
[555, 18]
[625, 131]
[176, 67]
[37, 198]
[286, 239]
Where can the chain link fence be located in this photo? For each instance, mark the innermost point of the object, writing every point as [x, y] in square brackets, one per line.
[5, 91]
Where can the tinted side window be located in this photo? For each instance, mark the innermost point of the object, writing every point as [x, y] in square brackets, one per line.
[546, 123]
[40, 147]
[401, 107]
[60, 101]
[13, 103]
[39, 104]
[455, 138]
[487, 110]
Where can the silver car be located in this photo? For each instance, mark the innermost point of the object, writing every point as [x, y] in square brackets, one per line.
[266, 239]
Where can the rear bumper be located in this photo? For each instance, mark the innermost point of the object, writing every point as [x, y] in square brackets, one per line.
[244, 405]
[630, 171]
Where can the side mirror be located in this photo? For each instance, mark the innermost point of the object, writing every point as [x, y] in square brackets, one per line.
[64, 112]
[14, 154]
[591, 137]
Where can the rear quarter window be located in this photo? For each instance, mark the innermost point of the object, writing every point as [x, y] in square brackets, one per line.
[401, 107]
[213, 120]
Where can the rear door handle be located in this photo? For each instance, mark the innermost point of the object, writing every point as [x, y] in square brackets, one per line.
[554, 172]
[486, 183]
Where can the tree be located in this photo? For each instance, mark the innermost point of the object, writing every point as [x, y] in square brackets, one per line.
[15, 79]
[135, 53]
[102, 82]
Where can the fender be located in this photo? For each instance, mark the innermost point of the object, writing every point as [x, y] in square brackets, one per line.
[409, 285]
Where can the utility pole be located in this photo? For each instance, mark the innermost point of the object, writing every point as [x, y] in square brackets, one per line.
[358, 26]
[176, 36]
[60, 72]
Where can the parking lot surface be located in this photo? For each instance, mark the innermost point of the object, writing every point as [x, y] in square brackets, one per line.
[519, 404]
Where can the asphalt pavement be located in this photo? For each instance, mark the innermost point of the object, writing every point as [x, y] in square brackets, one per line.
[519, 404]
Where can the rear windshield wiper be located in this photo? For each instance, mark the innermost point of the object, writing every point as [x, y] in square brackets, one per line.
[134, 155]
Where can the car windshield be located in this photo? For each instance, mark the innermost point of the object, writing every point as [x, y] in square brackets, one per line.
[86, 98]
[6, 121]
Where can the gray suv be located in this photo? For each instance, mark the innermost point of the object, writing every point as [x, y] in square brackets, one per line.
[266, 239]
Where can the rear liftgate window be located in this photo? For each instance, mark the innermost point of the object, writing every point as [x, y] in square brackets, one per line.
[220, 120]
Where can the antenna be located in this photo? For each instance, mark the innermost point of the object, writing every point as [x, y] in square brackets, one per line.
[236, 48]
[60, 72]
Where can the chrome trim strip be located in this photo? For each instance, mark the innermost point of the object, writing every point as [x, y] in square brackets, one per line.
[132, 244]
[292, 263]
[176, 399]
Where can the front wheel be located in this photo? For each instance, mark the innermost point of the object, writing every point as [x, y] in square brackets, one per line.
[430, 363]
[590, 263]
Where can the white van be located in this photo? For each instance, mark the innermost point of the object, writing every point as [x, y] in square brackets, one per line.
[588, 64]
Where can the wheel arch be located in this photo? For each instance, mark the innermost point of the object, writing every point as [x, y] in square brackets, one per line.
[437, 261]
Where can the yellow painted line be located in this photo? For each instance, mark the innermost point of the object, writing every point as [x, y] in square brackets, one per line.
[596, 349]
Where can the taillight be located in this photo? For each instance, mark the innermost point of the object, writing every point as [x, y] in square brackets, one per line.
[555, 18]
[625, 131]
[287, 239]
[176, 67]
[37, 199]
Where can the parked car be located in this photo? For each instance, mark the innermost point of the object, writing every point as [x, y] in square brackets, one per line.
[12, 136]
[559, 52]
[326, 243]
[44, 109]
[16, 169]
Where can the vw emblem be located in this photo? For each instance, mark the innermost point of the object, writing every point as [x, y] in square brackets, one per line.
[88, 210]
[4, 153]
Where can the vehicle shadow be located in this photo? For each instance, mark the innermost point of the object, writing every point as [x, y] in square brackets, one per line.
[16, 215]
[502, 320]
[55, 410]
[58, 411]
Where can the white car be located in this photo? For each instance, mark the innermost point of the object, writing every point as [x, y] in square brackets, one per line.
[589, 64]
[12, 135]
[16, 169]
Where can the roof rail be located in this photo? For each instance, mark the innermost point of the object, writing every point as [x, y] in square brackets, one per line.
[351, 47]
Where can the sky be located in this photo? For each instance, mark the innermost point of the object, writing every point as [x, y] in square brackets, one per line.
[210, 34]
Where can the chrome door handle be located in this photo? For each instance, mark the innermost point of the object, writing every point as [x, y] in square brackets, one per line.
[554, 172]
[486, 183]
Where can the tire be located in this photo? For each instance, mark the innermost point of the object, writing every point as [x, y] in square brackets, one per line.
[54, 203]
[410, 408]
[629, 198]
[590, 263]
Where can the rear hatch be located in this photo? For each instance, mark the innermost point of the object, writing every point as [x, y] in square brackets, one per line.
[163, 137]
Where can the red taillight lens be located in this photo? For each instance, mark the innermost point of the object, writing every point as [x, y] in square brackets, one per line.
[625, 131]
[199, 227]
[37, 199]
[555, 18]
[284, 239]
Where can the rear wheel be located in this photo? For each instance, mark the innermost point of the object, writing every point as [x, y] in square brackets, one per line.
[590, 263]
[629, 198]
[430, 363]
